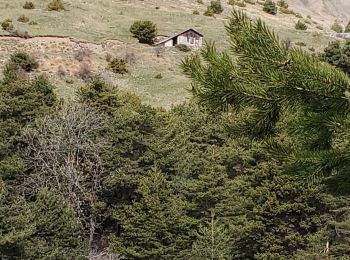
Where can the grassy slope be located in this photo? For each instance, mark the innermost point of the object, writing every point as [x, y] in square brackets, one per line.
[98, 20]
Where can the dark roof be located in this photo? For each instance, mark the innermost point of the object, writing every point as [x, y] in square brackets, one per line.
[176, 35]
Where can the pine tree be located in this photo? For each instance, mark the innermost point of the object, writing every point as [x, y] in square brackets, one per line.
[347, 28]
[297, 105]
[213, 242]
[277, 91]
[16, 224]
[154, 226]
[21, 101]
[337, 55]
[144, 31]
[44, 229]
[56, 230]
[270, 215]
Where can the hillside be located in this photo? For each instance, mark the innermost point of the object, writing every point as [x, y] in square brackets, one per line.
[325, 10]
[107, 154]
[101, 28]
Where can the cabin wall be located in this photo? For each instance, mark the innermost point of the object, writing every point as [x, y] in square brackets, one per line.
[190, 39]
[169, 43]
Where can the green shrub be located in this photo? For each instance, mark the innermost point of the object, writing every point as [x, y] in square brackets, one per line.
[56, 5]
[144, 31]
[300, 44]
[286, 11]
[300, 25]
[28, 5]
[337, 27]
[241, 4]
[23, 19]
[216, 7]
[337, 54]
[208, 12]
[270, 7]
[24, 61]
[158, 76]
[183, 47]
[7, 25]
[231, 2]
[283, 4]
[118, 66]
[195, 12]
[347, 28]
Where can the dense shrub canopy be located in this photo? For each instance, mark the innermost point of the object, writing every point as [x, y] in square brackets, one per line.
[216, 7]
[144, 31]
[337, 27]
[338, 55]
[300, 25]
[24, 61]
[56, 5]
[347, 28]
[29, 5]
[270, 7]
[118, 66]
[252, 168]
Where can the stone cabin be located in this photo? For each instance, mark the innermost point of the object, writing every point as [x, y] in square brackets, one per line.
[190, 38]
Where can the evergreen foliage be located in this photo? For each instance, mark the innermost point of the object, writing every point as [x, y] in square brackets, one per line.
[144, 31]
[24, 61]
[118, 66]
[7, 25]
[28, 5]
[216, 7]
[282, 4]
[338, 55]
[44, 229]
[254, 167]
[273, 216]
[293, 102]
[270, 7]
[212, 242]
[300, 25]
[280, 80]
[56, 5]
[168, 228]
[347, 28]
[57, 233]
[337, 27]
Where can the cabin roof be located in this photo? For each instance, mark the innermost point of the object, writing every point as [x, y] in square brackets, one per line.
[178, 34]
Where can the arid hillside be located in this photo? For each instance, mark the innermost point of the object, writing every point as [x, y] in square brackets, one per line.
[95, 29]
[325, 10]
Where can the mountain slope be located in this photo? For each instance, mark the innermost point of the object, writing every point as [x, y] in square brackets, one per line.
[325, 10]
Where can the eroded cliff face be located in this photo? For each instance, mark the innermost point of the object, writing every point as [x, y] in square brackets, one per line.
[324, 9]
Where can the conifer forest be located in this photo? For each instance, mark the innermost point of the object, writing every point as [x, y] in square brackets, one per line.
[256, 165]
